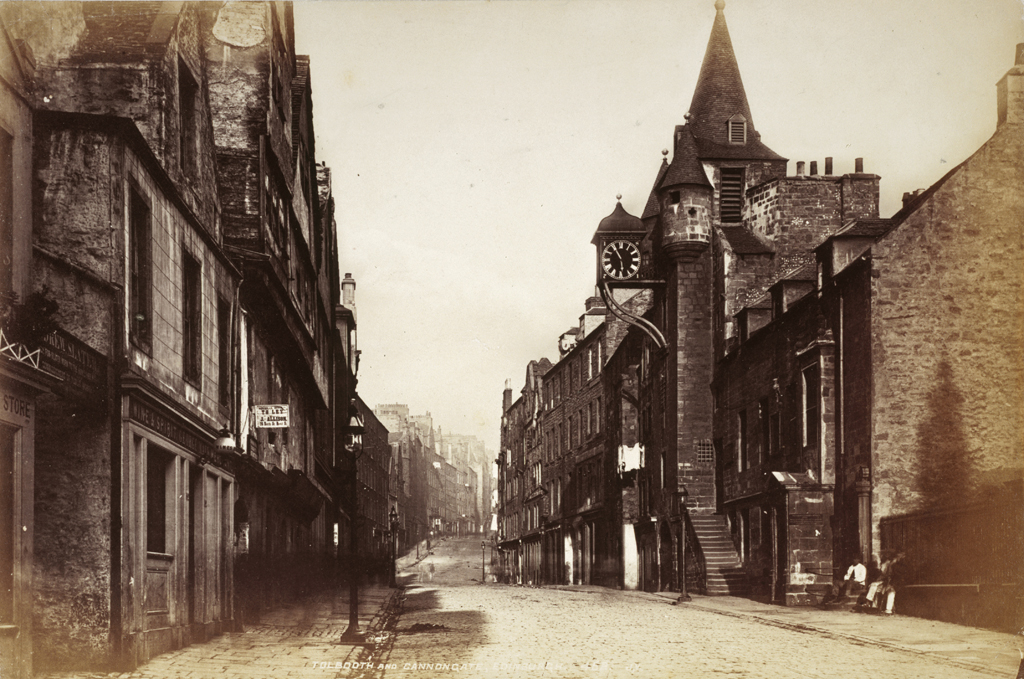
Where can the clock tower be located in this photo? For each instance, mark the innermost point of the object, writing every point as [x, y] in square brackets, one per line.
[623, 258]
[624, 261]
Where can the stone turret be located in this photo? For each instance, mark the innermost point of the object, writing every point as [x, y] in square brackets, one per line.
[686, 198]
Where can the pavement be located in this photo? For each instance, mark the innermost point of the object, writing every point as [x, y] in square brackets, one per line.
[302, 639]
[298, 640]
[981, 650]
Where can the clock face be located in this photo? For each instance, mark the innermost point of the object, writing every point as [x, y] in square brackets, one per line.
[620, 259]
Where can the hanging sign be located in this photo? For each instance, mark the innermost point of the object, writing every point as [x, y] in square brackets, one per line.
[271, 416]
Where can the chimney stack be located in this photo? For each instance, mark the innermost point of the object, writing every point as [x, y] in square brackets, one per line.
[1010, 92]
[348, 291]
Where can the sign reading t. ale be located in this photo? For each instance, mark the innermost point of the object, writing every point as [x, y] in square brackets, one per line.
[271, 416]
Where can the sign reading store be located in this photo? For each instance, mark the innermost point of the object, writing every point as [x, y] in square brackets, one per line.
[15, 409]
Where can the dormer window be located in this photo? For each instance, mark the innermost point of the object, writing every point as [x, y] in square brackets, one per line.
[737, 129]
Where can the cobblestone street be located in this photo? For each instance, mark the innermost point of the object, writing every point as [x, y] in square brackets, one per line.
[448, 624]
[501, 631]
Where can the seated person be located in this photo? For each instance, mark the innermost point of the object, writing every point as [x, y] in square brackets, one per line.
[854, 582]
[885, 586]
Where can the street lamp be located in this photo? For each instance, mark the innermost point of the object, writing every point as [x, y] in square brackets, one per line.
[394, 545]
[353, 444]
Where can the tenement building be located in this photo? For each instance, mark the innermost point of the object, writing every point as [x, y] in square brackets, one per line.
[558, 471]
[176, 343]
[803, 382]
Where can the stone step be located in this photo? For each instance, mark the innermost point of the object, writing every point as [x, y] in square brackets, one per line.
[725, 575]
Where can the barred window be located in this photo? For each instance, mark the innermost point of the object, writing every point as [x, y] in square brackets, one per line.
[704, 450]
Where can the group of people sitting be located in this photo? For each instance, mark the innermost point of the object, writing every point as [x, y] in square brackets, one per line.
[874, 586]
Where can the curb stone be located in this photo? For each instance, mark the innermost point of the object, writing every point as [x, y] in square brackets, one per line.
[865, 641]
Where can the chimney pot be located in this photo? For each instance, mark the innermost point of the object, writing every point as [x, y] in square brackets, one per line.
[348, 290]
[1019, 61]
[828, 165]
[858, 165]
[799, 168]
[814, 167]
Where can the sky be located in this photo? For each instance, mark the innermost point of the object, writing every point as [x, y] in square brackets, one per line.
[475, 146]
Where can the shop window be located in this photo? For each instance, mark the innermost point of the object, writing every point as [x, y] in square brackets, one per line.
[159, 494]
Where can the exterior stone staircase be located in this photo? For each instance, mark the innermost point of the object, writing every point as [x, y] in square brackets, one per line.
[724, 572]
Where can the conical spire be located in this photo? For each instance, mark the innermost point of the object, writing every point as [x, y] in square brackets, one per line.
[685, 167]
[719, 99]
[719, 94]
[653, 207]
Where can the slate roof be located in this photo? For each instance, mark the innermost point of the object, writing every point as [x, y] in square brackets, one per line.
[685, 167]
[752, 150]
[744, 242]
[718, 96]
[806, 272]
[653, 209]
[871, 228]
[620, 221]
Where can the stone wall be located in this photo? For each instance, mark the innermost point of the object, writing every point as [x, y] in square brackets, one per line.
[946, 316]
[72, 570]
[689, 374]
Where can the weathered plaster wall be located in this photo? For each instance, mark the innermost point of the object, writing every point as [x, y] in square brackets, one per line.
[72, 576]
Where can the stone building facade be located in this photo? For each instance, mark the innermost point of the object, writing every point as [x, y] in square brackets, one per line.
[24, 374]
[559, 514]
[803, 381]
[179, 243]
[278, 230]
